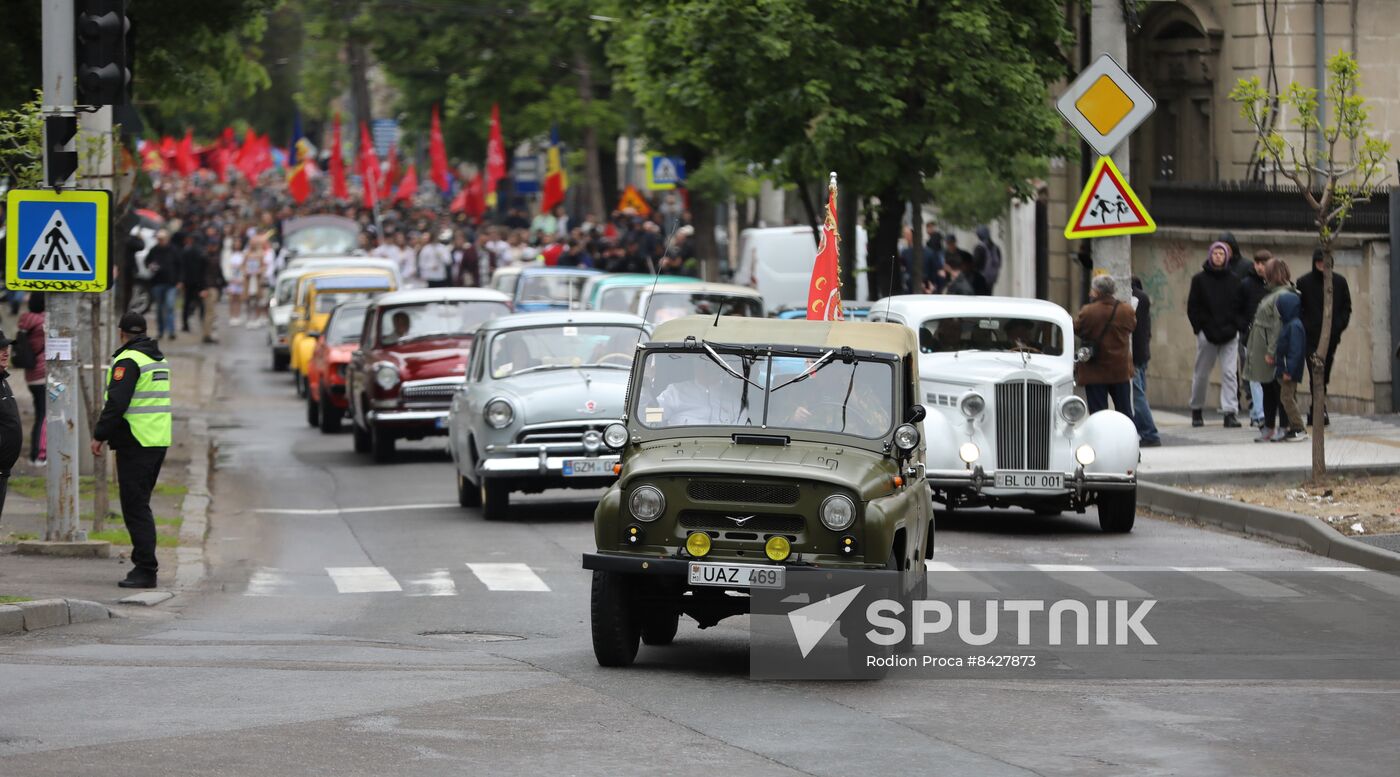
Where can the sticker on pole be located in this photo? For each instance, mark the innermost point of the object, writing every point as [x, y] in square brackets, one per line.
[1105, 105]
[57, 241]
[1108, 207]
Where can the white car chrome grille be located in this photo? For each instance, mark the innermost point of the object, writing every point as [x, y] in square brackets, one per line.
[1024, 425]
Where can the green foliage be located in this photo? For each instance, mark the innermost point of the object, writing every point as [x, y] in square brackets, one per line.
[968, 193]
[6, 599]
[721, 177]
[122, 537]
[22, 144]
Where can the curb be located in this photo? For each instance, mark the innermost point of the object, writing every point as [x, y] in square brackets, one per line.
[47, 613]
[195, 508]
[1296, 530]
[1218, 477]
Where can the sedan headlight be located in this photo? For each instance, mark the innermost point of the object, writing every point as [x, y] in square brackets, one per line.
[647, 503]
[1085, 455]
[906, 438]
[972, 404]
[1073, 409]
[969, 452]
[615, 436]
[499, 413]
[386, 377]
[838, 512]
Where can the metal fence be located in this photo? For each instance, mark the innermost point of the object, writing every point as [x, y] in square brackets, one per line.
[1252, 205]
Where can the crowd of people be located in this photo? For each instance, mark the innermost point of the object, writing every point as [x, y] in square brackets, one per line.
[947, 268]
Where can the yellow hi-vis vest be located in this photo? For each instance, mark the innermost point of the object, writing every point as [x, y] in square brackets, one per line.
[149, 411]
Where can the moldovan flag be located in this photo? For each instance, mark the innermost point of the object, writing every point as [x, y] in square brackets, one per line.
[151, 160]
[556, 181]
[408, 186]
[495, 157]
[824, 293]
[337, 165]
[299, 183]
[437, 152]
[369, 167]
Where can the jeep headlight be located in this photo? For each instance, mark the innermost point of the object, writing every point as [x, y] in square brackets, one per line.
[386, 377]
[615, 436]
[972, 404]
[1073, 409]
[838, 512]
[499, 413]
[906, 438]
[647, 503]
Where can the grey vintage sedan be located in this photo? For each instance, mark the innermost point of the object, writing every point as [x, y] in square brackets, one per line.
[541, 390]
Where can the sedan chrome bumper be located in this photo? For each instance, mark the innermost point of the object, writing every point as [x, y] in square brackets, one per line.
[408, 416]
[543, 464]
[978, 479]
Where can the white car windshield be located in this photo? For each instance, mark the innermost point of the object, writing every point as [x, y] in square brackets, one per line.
[402, 323]
[563, 347]
[991, 333]
[554, 289]
[619, 299]
[818, 393]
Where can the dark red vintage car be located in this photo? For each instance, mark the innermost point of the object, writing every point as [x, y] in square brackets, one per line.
[326, 402]
[411, 360]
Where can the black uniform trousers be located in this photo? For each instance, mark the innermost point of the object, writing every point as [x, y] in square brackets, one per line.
[137, 471]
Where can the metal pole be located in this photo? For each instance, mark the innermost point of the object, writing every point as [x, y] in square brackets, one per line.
[98, 171]
[1395, 293]
[60, 64]
[1109, 34]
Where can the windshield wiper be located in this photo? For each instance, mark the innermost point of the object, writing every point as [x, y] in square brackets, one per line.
[809, 372]
[539, 367]
[714, 357]
[600, 365]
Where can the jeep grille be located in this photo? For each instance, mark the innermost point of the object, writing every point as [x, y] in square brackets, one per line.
[743, 493]
[1023, 425]
[704, 519]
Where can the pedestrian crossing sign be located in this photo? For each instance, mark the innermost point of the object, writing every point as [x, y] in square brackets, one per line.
[665, 172]
[1108, 207]
[57, 241]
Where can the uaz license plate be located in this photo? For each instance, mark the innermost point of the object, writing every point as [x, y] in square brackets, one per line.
[602, 465]
[736, 575]
[1031, 481]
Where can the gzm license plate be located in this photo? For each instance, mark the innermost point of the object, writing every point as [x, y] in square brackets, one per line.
[602, 465]
[736, 575]
[1031, 481]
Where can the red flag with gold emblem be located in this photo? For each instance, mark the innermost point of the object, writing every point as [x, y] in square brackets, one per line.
[824, 292]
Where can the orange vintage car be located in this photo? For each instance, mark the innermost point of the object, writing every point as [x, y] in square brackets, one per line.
[326, 403]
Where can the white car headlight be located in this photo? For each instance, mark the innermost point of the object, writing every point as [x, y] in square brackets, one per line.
[1073, 409]
[499, 413]
[972, 404]
[1084, 454]
[386, 377]
[838, 512]
[647, 503]
[969, 452]
[615, 436]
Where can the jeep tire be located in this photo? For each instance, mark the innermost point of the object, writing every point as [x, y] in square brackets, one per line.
[495, 499]
[659, 627]
[1117, 511]
[616, 628]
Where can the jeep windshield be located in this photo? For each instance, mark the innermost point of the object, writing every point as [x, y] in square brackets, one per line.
[718, 386]
[991, 333]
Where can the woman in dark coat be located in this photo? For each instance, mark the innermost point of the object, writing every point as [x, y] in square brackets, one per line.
[1106, 323]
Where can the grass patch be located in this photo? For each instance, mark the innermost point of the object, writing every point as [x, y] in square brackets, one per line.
[21, 536]
[37, 487]
[171, 489]
[13, 599]
[176, 522]
[121, 537]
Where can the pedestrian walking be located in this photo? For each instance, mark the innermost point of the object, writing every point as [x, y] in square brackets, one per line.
[1263, 340]
[31, 334]
[1106, 325]
[966, 264]
[1289, 355]
[11, 431]
[435, 260]
[136, 422]
[987, 257]
[1310, 294]
[1213, 309]
[1253, 289]
[1148, 436]
[163, 261]
[959, 282]
[1238, 265]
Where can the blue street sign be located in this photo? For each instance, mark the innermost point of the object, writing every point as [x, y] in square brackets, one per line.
[57, 242]
[665, 172]
[526, 171]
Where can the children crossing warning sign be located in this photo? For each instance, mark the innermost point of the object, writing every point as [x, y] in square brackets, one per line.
[1108, 207]
[58, 241]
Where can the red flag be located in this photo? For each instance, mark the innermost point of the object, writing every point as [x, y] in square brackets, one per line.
[391, 178]
[369, 167]
[495, 157]
[475, 205]
[151, 160]
[437, 152]
[824, 292]
[338, 188]
[299, 183]
[459, 203]
[185, 161]
[408, 186]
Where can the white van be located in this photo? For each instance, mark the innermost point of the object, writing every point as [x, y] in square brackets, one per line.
[777, 261]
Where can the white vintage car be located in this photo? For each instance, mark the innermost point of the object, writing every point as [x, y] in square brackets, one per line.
[1004, 426]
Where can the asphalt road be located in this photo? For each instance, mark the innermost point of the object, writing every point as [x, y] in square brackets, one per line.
[356, 621]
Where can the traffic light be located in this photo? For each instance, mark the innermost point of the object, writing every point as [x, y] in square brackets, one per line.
[103, 72]
[59, 132]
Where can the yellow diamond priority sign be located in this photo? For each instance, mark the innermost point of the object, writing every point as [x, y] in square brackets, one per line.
[1105, 104]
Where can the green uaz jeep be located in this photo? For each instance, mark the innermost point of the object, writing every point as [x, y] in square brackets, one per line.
[753, 450]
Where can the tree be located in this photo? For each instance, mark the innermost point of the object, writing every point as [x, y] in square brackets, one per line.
[802, 87]
[1342, 166]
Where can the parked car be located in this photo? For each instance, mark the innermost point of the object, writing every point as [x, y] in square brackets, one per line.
[777, 262]
[323, 290]
[752, 450]
[617, 292]
[536, 288]
[411, 360]
[540, 389]
[670, 300]
[284, 296]
[1004, 426]
[337, 339]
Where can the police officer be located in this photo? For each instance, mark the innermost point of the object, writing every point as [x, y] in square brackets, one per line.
[11, 431]
[136, 422]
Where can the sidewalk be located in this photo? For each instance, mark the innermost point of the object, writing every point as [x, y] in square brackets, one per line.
[179, 502]
[1352, 441]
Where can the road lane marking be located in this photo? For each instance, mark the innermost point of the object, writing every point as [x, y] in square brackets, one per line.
[267, 582]
[435, 583]
[946, 577]
[363, 580]
[1091, 580]
[1381, 581]
[350, 510]
[508, 577]
[1241, 583]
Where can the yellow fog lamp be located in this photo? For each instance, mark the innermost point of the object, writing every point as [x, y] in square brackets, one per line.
[848, 545]
[698, 544]
[634, 534]
[778, 548]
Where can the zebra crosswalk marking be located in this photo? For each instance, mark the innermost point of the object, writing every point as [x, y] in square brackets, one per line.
[438, 582]
[507, 577]
[363, 580]
[1092, 581]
